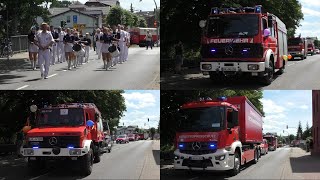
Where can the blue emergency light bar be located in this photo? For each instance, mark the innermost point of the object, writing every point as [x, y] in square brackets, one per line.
[256, 9]
[222, 98]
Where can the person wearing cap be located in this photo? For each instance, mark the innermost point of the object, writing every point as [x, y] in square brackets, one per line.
[53, 51]
[44, 40]
[87, 43]
[60, 46]
[98, 43]
[33, 49]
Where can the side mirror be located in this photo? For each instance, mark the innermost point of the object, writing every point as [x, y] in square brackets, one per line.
[90, 123]
[202, 23]
[33, 108]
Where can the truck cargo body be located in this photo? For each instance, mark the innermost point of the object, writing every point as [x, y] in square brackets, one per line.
[218, 135]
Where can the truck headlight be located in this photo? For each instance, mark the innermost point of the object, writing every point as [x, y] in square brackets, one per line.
[35, 138]
[176, 157]
[75, 151]
[253, 66]
[28, 152]
[206, 66]
[220, 158]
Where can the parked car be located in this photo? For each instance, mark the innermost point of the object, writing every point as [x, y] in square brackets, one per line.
[264, 147]
[109, 142]
[131, 137]
[122, 139]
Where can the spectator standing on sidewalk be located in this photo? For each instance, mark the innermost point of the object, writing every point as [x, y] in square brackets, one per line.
[148, 39]
[44, 41]
[33, 49]
[179, 58]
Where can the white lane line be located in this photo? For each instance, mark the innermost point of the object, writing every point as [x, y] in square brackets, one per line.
[39, 176]
[22, 87]
[64, 70]
[52, 75]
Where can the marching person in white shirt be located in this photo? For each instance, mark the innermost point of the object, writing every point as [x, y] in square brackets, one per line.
[44, 40]
[127, 44]
[122, 43]
[60, 47]
[53, 51]
[98, 43]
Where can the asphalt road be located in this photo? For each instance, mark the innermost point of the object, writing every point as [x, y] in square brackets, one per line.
[141, 71]
[299, 75]
[136, 160]
[270, 166]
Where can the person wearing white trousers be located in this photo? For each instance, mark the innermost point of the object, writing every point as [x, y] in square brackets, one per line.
[98, 43]
[87, 43]
[44, 40]
[60, 46]
[122, 44]
[53, 52]
[115, 60]
[126, 48]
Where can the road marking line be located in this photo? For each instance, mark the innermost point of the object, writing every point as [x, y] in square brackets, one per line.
[39, 176]
[194, 178]
[52, 75]
[22, 87]
[64, 70]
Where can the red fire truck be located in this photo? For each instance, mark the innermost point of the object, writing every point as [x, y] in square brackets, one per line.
[66, 132]
[297, 47]
[272, 141]
[218, 135]
[311, 47]
[138, 35]
[233, 44]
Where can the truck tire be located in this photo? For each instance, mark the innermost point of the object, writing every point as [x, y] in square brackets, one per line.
[267, 80]
[97, 156]
[281, 70]
[236, 166]
[305, 57]
[256, 157]
[87, 163]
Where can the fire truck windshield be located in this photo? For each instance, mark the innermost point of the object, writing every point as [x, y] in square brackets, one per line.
[233, 25]
[61, 117]
[294, 41]
[201, 119]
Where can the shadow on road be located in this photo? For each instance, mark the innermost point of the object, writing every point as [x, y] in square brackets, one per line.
[12, 167]
[13, 64]
[5, 78]
[305, 164]
[156, 156]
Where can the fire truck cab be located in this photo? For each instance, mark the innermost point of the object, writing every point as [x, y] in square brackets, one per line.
[233, 44]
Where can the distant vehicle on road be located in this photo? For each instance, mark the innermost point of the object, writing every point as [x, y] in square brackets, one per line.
[131, 137]
[272, 141]
[311, 47]
[264, 147]
[122, 139]
[138, 35]
[317, 51]
[297, 47]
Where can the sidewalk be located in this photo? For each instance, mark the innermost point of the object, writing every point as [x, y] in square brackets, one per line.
[151, 167]
[301, 165]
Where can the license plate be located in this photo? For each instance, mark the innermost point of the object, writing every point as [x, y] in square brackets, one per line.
[229, 69]
[196, 158]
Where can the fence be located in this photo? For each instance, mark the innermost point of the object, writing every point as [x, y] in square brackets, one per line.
[19, 43]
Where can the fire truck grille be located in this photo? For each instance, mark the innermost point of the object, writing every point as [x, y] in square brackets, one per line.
[199, 163]
[62, 142]
[243, 50]
[198, 148]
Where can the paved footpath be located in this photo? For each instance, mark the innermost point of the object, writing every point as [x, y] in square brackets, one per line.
[151, 168]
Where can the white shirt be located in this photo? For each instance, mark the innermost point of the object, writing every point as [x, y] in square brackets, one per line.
[44, 39]
[128, 37]
[61, 36]
[99, 35]
[122, 36]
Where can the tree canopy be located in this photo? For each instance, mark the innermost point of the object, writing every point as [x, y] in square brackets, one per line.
[181, 18]
[60, 4]
[172, 100]
[14, 105]
[118, 15]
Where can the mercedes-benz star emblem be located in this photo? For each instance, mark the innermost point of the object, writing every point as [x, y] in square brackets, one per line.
[53, 141]
[228, 50]
[196, 146]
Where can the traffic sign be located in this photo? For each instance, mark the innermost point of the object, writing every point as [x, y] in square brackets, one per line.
[75, 19]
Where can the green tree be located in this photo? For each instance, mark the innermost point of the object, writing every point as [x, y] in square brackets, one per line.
[115, 16]
[316, 43]
[60, 4]
[142, 22]
[152, 132]
[135, 18]
[131, 8]
[299, 131]
[110, 103]
[172, 100]
[307, 132]
[128, 18]
[291, 137]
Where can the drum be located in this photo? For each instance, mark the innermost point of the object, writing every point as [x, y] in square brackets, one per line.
[112, 48]
[76, 47]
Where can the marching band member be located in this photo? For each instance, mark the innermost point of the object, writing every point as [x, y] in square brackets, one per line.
[60, 46]
[44, 40]
[122, 44]
[98, 43]
[87, 41]
[126, 48]
[68, 44]
[53, 51]
[106, 40]
[33, 49]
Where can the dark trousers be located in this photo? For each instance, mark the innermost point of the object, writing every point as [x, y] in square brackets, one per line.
[149, 43]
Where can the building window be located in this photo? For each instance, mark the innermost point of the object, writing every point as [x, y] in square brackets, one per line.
[68, 19]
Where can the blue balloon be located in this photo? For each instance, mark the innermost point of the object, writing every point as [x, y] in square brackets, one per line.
[90, 123]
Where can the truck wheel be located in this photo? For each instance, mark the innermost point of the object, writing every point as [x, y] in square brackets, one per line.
[281, 70]
[267, 80]
[236, 166]
[87, 163]
[256, 157]
[109, 150]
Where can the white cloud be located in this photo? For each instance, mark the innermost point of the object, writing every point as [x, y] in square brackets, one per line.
[310, 3]
[270, 107]
[140, 118]
[310, 12]
[137, 100]
[303, 107]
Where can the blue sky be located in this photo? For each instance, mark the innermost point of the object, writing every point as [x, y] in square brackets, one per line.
[142, 105]
[145, 5]
[311, 23]
[286, 108]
